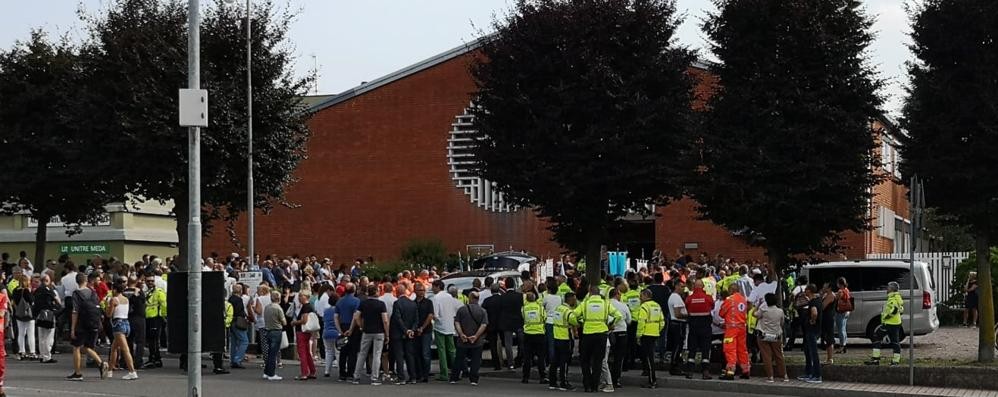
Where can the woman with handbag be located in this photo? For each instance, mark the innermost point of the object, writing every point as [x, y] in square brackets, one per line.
[47, 307]
[305, 325]
[24, 314]
[769, 334]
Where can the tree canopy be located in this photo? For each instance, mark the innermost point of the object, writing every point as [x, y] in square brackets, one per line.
[57, 170]
[951, 116]
[584, 111]
[135, 60]
[787, 143]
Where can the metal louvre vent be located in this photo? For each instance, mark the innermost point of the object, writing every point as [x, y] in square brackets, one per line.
[460, 159]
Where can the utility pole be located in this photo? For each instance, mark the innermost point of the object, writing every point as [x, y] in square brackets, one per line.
[250, 205]
[194, 206]
[916, 202]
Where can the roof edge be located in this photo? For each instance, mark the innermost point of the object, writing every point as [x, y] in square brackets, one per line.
[398, 75]
[421, 66]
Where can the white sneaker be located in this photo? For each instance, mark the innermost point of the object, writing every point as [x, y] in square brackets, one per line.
[275, 378]
[607, 389]
[110, 374]
[130, 376]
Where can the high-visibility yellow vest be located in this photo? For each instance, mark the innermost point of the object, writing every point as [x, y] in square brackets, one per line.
[892, 309]
[632, 299]
[562, 320]
[564, 289]
[156, 303]
[594, 314]
[228, 314]
[533, 318]
[651, 320]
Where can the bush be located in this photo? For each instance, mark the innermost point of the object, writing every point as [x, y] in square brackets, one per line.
[375, 271]
[430, 252]
[963, 269]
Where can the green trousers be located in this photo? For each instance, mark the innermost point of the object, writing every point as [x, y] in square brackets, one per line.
[445, 353]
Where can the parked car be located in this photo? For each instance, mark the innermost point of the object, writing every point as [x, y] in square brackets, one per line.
[464, 280]
[868, 283]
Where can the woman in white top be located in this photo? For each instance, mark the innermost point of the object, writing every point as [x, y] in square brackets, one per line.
[117, 309]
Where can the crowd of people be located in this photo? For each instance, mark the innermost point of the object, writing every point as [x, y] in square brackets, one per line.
[682, 314]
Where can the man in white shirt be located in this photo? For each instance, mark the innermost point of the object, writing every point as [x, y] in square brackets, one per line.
[676, 334]
[757, 298]
[388, 297]
[610, 377]
[68, 282]
[445, 307]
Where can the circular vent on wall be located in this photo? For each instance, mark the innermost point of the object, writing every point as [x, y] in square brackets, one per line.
[461, 160]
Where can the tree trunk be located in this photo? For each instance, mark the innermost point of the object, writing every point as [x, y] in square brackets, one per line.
[777, 262]
[180, 211]
[41, 239]
[986, 339]
[594, 242]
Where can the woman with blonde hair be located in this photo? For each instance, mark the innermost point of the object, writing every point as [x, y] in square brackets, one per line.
[970, 300]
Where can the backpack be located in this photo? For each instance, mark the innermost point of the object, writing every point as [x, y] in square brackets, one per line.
[844, 302]
[87, 309]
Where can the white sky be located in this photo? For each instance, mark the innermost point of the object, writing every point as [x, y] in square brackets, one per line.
[359, 40]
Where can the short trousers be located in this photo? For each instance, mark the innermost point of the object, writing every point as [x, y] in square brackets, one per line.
[120, 326]
[85, 338]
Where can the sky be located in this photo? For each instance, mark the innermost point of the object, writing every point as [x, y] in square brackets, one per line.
[353, 41]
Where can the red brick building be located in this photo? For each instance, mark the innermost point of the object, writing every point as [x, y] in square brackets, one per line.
[387, 165]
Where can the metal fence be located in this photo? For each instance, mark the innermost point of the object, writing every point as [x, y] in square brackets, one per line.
[942, 264]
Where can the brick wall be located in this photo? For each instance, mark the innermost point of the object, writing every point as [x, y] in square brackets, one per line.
[377, 177]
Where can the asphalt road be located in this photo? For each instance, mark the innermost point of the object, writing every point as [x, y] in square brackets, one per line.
[35, 379]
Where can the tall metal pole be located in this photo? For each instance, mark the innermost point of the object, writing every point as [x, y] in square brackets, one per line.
[915, 204]
[194, 206]
[249, 133]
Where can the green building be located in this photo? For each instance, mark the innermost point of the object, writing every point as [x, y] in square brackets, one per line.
[127, 232]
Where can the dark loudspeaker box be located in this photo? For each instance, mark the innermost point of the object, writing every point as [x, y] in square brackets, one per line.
[212, 311]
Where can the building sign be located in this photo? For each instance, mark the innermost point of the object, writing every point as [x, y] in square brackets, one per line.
[104, 220]
[85, 248]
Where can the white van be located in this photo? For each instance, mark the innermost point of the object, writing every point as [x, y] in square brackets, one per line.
[868, 283]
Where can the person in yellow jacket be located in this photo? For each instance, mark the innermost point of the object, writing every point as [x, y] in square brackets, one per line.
[216, 356]
[651, 322]
[155, 321]
[562, 332]
[534, 340]
[631, 296]
[890, 320]
[594, 315]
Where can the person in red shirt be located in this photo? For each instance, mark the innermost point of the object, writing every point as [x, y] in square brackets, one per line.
[734, 312]
[698, 308]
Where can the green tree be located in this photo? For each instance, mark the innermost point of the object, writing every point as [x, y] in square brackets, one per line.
[950, 116]
[584, 110]
[55, 169]
[136, 60]
[787, 146]
[947, 234]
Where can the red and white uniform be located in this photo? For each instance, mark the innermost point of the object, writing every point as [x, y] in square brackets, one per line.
[734, 312]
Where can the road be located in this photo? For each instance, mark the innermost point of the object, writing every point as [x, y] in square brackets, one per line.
[35, 379]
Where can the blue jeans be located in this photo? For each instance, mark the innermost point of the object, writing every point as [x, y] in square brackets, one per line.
[841, 319]
[812, 362]
[273, 351]
[424, 349]
[238, 342]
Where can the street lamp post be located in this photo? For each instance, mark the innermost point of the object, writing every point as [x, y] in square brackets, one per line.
[250, 206]
[194, 206]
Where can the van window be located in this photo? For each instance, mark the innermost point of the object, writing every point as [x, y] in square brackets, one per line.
[861, 278]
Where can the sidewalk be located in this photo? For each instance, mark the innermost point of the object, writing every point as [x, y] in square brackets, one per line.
[759, 386]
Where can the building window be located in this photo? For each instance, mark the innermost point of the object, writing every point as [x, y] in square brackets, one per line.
[461, 160]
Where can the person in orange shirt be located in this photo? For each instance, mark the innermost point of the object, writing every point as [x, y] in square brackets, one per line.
[734, 312]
